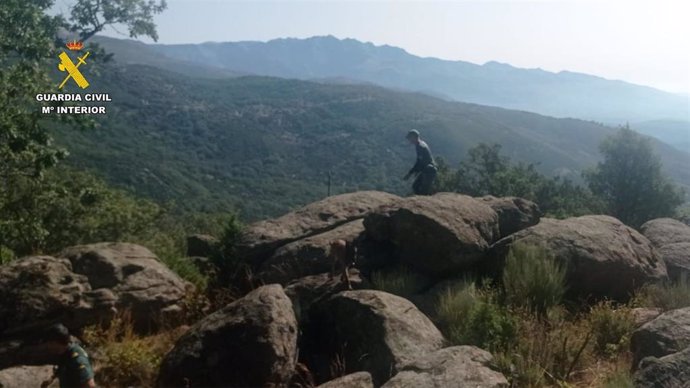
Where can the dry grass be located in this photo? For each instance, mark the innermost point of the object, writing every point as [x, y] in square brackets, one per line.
[547, 352]
[534, 348]
[668, 296]
[399, 281]
[123, 358]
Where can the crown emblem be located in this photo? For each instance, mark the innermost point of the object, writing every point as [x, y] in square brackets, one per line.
[74, 45]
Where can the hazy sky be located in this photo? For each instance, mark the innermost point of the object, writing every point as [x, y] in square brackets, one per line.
[644, 42]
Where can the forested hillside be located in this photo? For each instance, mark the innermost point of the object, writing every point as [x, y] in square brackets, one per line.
[263, 145]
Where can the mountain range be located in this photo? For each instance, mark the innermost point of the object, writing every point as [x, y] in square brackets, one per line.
[563, 94]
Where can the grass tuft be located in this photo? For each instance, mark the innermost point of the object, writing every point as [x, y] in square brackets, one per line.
[471, 316]
[667, 296]
[620, 379]
[612, 328]
[6, 255]
[399, 281]
[533, 279]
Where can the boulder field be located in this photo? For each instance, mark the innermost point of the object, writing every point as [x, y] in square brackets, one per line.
[302, 325]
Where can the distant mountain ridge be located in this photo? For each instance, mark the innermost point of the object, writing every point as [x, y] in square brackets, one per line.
[563, 94]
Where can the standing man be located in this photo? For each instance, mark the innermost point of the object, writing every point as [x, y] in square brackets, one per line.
[424, 167]
[73, 368]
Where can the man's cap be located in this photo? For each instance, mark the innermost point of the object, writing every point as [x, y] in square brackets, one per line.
[58, 332]
[412, 133]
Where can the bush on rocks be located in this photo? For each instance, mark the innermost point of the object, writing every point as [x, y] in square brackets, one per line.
[533, 279]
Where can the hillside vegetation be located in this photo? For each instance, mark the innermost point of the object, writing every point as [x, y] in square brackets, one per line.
[263, 145]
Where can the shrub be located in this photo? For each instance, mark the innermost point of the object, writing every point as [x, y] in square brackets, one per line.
[232, 232]
[129, 363]
[489, 326]
[533, 279]
[667, 296]
[469, 316]
[6, 255]
[620, 379]
[398, 281]
[612, 327]
[123, 358]
[546, 352]
[233, 270]
[455, 303]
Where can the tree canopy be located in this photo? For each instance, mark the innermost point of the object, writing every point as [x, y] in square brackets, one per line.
[630, 182]
[38, 212]
[487, 172]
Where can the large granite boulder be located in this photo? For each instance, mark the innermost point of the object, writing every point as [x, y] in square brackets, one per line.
[668, 371]
[514, 213]
[666, 334]
[142, 283]
[664, 231]
[308, 256]
[603, 257]
[251, 342]
[677, 259]
[354, 380]
[454, 367]
[672, 240]
[260, 239]
[369, 331]
[439, 235]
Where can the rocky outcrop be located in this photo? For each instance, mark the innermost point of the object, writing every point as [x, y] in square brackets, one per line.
[668, 371]
[38, 291]
[308, 256]
[262, 238]
[672, 240]
[642, 315]
[252, 342]
[86, 285]
[201, 245]
[354, 380]
[458, 366]
[603, 257]
[369, 331]
[665, 231]
[141, 282]
[667, 334]
[514, 214]
[306, 291]
[438, 235]
[26, 376]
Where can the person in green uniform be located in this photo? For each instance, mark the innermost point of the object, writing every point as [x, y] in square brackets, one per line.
[73, 369]
[424, 168]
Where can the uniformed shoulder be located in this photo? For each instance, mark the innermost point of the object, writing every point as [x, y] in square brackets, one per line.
[78, 355]
[76, 350]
